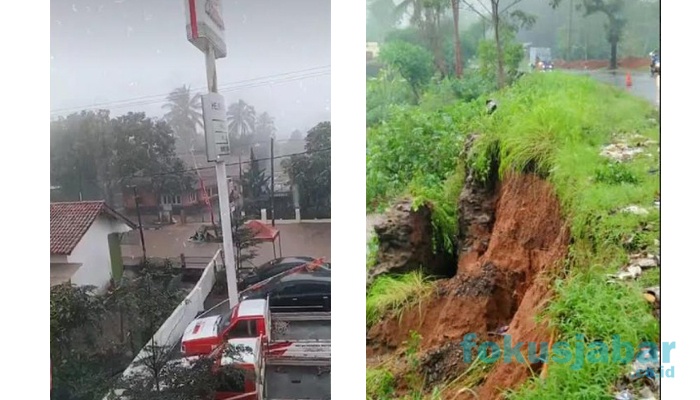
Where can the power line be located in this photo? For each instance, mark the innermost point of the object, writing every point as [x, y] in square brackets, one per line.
[226, 87]
[232, 164]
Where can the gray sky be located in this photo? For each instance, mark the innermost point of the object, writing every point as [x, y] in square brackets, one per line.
[135, 51]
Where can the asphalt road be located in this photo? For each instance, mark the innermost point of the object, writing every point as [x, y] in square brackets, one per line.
[643, 85]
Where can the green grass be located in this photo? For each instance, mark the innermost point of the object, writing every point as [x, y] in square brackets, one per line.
[380, 384]
[555, 125]
[393, 294]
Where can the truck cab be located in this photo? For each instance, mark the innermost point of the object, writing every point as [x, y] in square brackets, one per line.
[282, 335]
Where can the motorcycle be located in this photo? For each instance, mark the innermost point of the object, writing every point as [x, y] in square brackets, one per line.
[655, 67]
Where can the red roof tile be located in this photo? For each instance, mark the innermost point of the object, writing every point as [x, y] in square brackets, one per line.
[70, 221]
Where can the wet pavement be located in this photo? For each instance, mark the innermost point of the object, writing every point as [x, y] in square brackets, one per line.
[643, 84]
[308, 239]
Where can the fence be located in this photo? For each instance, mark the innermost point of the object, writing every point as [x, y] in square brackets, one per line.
[170, 332]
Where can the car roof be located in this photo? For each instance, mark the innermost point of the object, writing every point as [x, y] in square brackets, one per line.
[285, 260]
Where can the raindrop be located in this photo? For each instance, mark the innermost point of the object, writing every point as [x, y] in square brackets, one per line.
[59, 23]
[75, 8]
[129, 31]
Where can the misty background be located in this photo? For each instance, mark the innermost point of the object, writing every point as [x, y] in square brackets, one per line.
[127, 55]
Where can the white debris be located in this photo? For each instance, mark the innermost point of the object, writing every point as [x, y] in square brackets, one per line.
[637, 210]
[630, 273]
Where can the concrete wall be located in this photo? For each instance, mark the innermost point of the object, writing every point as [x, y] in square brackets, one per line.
[170, 332]
[93, 253]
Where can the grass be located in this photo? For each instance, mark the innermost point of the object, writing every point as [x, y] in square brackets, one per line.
[555, 125]
[380, 384]
[392, 294]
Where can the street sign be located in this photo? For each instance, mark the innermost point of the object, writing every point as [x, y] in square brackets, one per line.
[205, 25]
[215, 128]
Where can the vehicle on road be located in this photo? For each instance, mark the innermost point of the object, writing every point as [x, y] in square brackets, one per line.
[655, 66]
[304, 375]
[270, 269]
[282, 334]
[296, 291]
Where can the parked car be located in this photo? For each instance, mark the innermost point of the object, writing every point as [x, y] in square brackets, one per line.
[270, 269]
[296, 292]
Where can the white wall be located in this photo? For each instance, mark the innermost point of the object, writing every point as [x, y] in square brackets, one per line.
[93, 253]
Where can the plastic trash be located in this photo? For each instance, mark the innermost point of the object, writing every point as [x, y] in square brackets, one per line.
[624, 395]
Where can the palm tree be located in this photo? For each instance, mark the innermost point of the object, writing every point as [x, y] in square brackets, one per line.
[426, 15]
[184, 115]
[241, 123]
[265, 127]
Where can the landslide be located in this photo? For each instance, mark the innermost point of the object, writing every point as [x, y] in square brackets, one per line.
[515, 241]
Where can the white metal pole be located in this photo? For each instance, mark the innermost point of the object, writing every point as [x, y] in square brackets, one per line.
[224, 207]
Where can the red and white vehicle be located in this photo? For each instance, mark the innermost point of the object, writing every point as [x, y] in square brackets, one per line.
[267, 378]
[291, 335]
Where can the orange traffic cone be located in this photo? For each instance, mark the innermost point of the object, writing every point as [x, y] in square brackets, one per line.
[628, 80]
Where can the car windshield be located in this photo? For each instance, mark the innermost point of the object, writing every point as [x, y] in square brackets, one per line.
[225, 321]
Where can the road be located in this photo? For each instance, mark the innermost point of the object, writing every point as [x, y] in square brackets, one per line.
[643, 85]
[298, 239]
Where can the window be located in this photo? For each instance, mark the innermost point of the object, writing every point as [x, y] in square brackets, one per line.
[192, 197]
[170, 199]
[243, 329]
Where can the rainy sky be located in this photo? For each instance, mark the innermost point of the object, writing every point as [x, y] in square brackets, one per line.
[126, 55]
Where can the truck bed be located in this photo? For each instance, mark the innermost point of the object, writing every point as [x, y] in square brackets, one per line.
[299, 328]
[297, 382]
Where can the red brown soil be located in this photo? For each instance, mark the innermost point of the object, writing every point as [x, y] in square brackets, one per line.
[505, 285]
[626, 63]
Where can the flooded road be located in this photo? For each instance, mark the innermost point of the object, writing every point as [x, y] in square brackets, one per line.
[643, 85]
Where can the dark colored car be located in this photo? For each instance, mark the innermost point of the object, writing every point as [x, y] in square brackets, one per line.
[296, 292]
[270, 269]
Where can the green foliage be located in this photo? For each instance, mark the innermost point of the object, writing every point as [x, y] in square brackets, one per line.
[555, 125]
[372, 248]
[615, 174]
[414, 63]
[380, 384]
[256, 186]
[184, 116]
[385, 92]
[513, 55]
[414, 144]
[95, 336]
[393, 294]
[97, 156]
[312, 171]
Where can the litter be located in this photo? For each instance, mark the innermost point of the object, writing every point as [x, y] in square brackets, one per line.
[630, 273]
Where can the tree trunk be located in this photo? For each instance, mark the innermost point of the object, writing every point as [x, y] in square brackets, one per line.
[613, 54]
[458, 47]
[499, 48]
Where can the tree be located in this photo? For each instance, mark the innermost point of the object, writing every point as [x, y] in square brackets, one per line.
[311, 172]
[93, 155]
[458, 46]
[144, 147]
[412, 62]
[255, 185]
[380, 19]
[80, 153]
[613, 10]
[426, 16]
[184, 117]
[241, 125]
[497, 13]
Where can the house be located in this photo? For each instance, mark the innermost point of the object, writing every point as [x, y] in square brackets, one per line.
[192, 201]
[372, 50]
[85, 246]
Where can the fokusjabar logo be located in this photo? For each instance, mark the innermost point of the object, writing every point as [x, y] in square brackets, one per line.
[213, 10]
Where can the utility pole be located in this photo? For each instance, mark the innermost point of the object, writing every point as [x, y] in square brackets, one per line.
[224, 205]
[205, 30]
[272, 180]
[138, 215]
